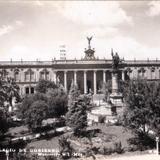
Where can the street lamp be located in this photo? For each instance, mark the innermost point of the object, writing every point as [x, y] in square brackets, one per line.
[157, 145]
[7, 154]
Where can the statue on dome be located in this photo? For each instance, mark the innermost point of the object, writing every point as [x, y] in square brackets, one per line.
[89, 42]
[89, 53]
[115, 60]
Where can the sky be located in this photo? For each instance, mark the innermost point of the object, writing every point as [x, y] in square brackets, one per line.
[31, 30]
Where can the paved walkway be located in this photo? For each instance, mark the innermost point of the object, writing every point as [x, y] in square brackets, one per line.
[130, 157]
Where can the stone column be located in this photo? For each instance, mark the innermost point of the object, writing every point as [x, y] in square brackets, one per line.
[104, 76]
[95, 81]
[85, 82]
[123, 75]
[65, 80]
[54, 76]
[75, 77]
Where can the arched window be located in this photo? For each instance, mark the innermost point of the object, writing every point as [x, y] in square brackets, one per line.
[153, 73]
[141, 72]
[44, 74]
[16, 75]
[29, 75]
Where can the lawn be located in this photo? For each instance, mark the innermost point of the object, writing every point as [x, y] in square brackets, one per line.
[109, 135]
[114, 133]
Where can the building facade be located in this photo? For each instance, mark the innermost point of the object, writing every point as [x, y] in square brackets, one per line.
[88, 73]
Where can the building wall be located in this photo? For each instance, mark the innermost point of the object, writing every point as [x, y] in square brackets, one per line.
[27, 74]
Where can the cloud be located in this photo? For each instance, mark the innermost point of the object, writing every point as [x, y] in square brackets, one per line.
[154, 8]
[38, 3]
[130, 48]
[93, 13]
[5, 29]
[127, 47]
[101, 32]
[18, 23]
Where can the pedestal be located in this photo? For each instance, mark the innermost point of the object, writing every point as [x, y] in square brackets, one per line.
[116, 97]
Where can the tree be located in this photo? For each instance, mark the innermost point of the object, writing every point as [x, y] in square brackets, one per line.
[8, 90]
[142, 112]
[28, 100]
[33, 110]
[12, 90]
[76, 117]
[3, 121]
[74, 92]
[57, 102]
[44, 85]
[36, 114]
[54, 104]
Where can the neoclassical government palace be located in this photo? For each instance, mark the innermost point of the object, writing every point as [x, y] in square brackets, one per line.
[88, 73]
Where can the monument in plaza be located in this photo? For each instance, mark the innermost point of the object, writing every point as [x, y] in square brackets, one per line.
[115, 97]
[108, 111]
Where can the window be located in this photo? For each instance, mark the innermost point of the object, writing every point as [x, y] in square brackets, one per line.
[42, 76]
[153, 73]
[47, 75]
[32, 90]
[27, 77]
[32, 76]
[16, 76]
[27, 90]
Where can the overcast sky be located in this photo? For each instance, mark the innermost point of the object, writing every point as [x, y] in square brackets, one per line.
[35, 29]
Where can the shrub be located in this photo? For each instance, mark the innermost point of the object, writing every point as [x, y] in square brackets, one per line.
[118, 148]
[24, 156]
[106, 150]
[102, 119]
[142, 141]
[65, 148]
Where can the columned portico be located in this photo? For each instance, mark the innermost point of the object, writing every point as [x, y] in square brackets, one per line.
[85, 82]
[65, 80]
[95, 81]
